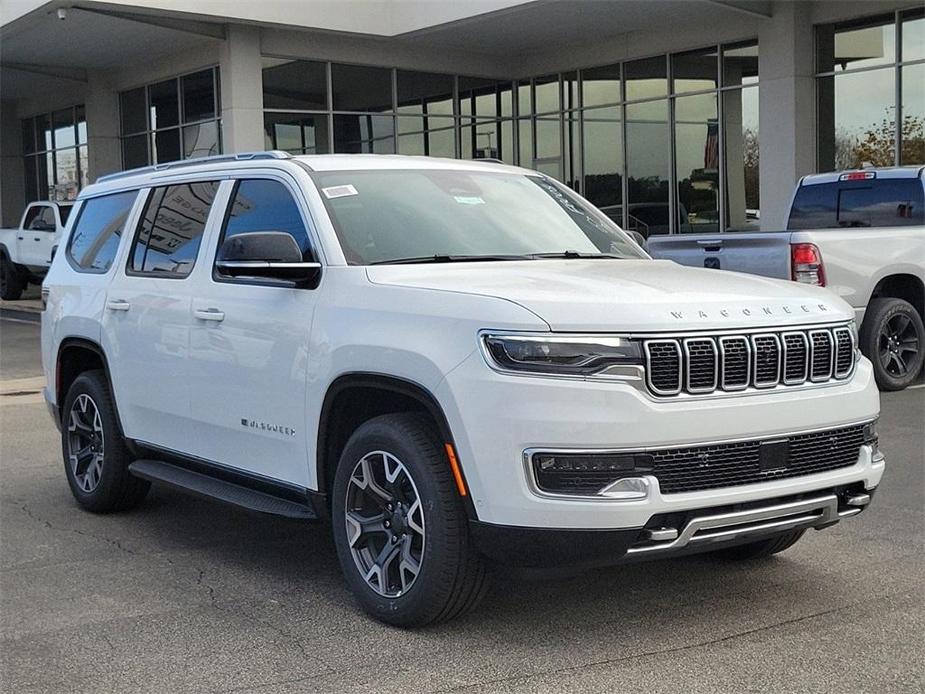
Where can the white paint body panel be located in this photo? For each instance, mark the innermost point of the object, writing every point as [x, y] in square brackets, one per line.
[188, 385]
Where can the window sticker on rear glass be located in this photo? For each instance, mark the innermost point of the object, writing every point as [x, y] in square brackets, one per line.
[339, 191]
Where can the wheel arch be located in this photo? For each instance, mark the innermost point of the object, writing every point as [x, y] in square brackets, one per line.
[902, 285]
[354, 398]
[77, 355]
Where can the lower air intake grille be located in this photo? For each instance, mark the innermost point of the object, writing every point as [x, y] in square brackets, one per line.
[732, 464]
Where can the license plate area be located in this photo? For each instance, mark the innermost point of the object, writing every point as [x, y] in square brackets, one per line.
[774, 455]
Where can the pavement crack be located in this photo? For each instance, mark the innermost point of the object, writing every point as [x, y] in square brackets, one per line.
[83, 533]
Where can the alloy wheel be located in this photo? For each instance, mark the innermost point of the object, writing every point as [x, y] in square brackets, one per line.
[85, 442]
[898, 344]
[385, 524]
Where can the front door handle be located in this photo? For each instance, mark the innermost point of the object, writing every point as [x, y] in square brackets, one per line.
[212, 314]
[118, 305]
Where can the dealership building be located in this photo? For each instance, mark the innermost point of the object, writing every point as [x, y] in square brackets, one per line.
[671, 115]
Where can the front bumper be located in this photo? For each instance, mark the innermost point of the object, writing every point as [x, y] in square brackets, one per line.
[495, 418]
[670, 535]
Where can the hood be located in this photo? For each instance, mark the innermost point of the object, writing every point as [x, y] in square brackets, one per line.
[627, 295]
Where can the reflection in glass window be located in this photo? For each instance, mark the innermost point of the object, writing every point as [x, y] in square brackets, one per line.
[912, 132]
[199, 96]
[694, 71]
[850, 45]
[201, 140]
[431, 136]
[601, 85]
[424, 92]
[164, 102]
[96, 234]
[743, 203]
[361, 88]
[546, 94]
[166, 145]
[171, 227]
[485, 98]
[603, 160]
[261, 205]
[295, 84]
[857, 119]
[52, 144]
[548, 138]
[133, 109]
[740, 64]
[297, 133]
[367, 134]
[645, 78]
[913, 34]
[697, 160]
[648, 167]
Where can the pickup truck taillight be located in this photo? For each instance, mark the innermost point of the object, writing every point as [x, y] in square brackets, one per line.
[806, 264]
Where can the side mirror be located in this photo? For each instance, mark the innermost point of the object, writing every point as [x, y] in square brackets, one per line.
[266, 254]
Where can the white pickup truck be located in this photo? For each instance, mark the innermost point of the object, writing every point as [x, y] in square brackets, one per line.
[26, 251]
[859, 233]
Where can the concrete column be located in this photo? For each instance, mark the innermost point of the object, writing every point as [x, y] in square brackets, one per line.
[242, 90]
[786, 111]
[12, 182]
[104, 149]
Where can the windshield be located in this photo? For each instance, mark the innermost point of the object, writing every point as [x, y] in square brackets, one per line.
[439, 215]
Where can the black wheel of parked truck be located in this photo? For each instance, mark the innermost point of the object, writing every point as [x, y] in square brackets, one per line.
[96, 458]
[400, 527]
[893, 338]
[12, 283]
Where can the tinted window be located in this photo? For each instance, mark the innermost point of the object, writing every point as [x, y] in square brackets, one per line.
[171, 227]
[99, 227]
[32, 214]
[881, 203]
[44, 220]
[265, 205]
[65, 212]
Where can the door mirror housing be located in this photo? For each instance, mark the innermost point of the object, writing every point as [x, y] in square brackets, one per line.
[268, 255]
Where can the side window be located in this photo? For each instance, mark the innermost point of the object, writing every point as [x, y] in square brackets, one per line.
[64, 211]
[99, 227]
[261, 205]
[170, 229]
[46, 220]
[813, 207]
[34, 213]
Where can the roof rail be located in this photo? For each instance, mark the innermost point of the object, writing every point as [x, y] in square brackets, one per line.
[169, 166]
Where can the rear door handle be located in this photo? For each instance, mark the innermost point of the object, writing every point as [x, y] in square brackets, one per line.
[118, 305]
[212, 314]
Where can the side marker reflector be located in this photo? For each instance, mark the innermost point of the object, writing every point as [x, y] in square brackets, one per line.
[454, 466]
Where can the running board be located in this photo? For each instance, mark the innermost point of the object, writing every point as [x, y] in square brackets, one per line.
[210, 487]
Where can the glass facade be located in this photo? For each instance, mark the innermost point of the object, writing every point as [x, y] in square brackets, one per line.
[639, 139]
[55, 154]
[870, 91]
[170, 120]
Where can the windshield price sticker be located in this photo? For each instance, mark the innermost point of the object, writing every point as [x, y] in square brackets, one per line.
[468, 200]
[339, 191]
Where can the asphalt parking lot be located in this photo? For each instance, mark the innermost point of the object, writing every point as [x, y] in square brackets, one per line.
[184, 595]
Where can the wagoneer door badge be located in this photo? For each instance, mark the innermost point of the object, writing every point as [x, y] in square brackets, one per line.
[269, 428]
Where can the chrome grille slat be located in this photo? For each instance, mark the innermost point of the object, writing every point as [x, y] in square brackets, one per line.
[716, 362]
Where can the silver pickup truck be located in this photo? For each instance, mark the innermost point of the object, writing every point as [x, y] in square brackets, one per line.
[859, 233]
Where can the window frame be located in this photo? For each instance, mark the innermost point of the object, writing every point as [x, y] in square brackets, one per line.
[78, 215]
[307, 223]
[148, 194]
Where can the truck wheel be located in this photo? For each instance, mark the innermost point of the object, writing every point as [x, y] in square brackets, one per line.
[96, 458]
[11, 282]
[400, 528]
[761, 548]
[893, 338]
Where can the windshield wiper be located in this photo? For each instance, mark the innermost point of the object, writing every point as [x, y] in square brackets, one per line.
[442, 258]
[576, 254]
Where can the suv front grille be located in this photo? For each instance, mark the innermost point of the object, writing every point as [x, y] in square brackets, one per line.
[702, 364]
[731, 464]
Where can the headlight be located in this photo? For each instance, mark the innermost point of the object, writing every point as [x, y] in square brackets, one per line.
[560, 355]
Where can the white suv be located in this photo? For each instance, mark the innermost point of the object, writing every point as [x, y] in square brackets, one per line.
[457, 363]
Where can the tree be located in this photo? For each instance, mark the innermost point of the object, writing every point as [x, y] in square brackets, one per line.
[877, 146]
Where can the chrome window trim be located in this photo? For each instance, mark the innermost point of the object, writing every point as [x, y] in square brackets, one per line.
[777, 375]
[687, 372]
[812, 355]
[806, 361]
[646, 346]
[528, 453]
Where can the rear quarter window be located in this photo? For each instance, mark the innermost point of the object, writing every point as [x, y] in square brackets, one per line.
[862, 204]
[95, 239]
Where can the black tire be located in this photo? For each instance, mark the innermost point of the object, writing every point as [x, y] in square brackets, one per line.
[116, 489]
[762, 548]
[452, 578]
[892, 329]
[12, 282]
